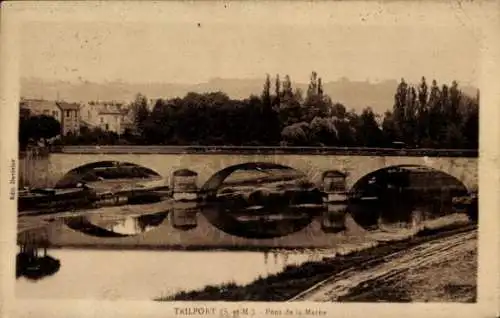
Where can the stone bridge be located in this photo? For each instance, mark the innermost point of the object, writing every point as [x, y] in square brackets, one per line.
[207, 161]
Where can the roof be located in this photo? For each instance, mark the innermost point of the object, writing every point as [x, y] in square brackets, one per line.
[37, 104]
[110, 108]
[68, 106]
[110, 112]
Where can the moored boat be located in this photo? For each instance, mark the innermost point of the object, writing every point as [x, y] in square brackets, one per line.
[46, 200]
[129, 191]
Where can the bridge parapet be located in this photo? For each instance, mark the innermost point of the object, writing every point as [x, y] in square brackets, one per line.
[267, 150]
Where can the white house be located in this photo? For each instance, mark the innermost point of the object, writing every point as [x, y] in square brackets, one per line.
[109, 116]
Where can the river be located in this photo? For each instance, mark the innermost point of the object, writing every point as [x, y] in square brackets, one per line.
[147, 251]
[147, 274]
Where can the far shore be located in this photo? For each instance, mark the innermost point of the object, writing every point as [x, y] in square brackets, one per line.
[194, 248]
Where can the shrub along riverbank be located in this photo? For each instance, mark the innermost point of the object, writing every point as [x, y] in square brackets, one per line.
[297, 278]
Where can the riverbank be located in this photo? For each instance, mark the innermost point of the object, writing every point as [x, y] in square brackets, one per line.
[294, 279]
[447, 275]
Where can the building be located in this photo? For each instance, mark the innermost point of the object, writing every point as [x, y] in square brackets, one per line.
[108, 116]
[37, 107]
[70, 117]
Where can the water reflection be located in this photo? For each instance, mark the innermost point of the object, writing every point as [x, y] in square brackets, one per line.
[262, 223]
[33, 261]
[108, 225]
[333, 218]
[184, 219]
[91, 273]
[263, 201]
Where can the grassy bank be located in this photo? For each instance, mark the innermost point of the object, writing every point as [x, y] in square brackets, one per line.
[294, 279]
[452, 279]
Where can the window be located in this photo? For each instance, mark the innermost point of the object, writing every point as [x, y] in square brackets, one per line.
[46, 112]
[102, 120]
[54, 113]
[107, 126]
[67, 113]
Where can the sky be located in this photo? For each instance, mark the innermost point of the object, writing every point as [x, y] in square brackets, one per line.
[242, 41]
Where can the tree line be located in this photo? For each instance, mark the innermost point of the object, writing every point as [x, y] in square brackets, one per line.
[422, 116]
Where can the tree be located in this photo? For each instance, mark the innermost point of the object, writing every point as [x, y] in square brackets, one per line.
[389, 128]
[277, 93]
[345, 122]
[410, 133]
[423, 115]
[436, 118]
[312, 90]
[338, 110]
[290, 109]
[37, 128]
[316, 103]
[323, 131]
[296, 134]
[399, 108]
[140, 112]
[454, 103]
[452, 136]
[269, 118]
[266, 92]
[158, 127]
[471, 126]
[368, 132]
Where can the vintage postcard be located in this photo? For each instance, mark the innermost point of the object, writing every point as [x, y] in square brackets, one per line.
[249, 159]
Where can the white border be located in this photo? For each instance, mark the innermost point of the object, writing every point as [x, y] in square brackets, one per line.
[482, 15]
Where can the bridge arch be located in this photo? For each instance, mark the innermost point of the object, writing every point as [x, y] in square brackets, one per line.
[217, 179]
[98, 170]
[436, 175]
[403, 194]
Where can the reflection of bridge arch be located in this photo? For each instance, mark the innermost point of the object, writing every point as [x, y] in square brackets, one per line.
[143, 223]
[83, 225]
[217, 179]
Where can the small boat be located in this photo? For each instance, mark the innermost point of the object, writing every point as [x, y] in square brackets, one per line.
[270, 217]
[307, 206]
[466, 204]
[41, 200]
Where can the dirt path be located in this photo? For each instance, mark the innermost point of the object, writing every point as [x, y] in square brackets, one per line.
[409, 275]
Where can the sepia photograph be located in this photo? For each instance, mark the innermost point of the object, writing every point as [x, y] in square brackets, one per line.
[236, 155]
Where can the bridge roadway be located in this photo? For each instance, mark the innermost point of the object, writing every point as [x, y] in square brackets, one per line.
[209, 161]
